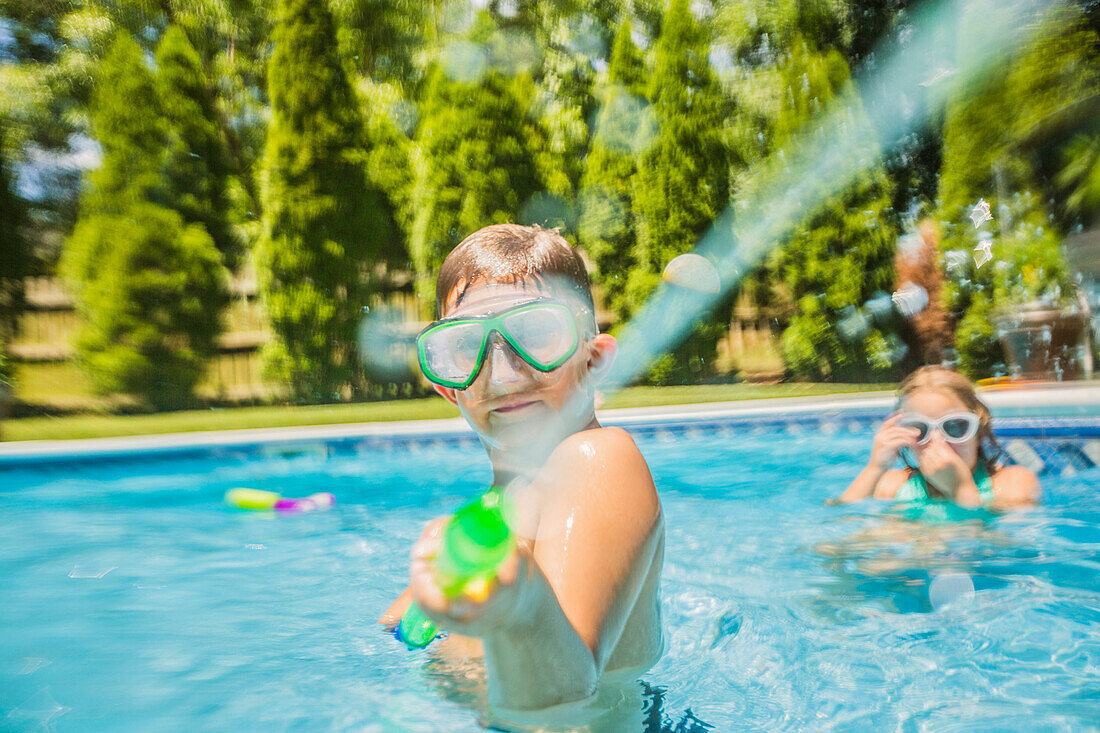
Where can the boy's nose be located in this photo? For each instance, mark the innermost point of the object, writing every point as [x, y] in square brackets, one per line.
[504, 371]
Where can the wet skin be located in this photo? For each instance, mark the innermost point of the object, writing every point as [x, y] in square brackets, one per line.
[948, 467]
[576, 604]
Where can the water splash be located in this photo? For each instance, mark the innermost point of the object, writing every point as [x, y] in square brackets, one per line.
[693, 272]
[982, 253]
[980, 214]
[910, 299]
[822, 162]
[949, 589]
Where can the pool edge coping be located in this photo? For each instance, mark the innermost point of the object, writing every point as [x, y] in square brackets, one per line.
[1051, 396]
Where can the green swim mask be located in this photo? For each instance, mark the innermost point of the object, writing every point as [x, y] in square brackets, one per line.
[543, 332]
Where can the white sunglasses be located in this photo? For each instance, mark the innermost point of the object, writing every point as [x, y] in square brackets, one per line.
[955, 427]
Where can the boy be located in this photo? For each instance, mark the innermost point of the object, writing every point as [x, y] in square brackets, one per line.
[577, 600]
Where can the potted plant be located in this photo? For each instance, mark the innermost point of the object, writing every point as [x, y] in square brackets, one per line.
[1021, 315]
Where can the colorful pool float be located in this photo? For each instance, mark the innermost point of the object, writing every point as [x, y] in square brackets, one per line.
[260, 500]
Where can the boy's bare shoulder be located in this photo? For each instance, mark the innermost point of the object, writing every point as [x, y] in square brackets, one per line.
[605, 465]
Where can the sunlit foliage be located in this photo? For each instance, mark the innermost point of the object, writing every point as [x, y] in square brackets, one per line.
[197, 162]
[472, 161]
[324, 223]
[148, 286]
[997, 135]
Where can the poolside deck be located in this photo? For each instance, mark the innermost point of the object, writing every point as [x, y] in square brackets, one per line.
[1051, 400]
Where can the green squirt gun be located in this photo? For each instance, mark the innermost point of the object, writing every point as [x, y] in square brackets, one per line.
[475, 541]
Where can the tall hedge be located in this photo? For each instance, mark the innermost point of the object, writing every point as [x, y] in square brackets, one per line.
[148, 287]
[841, 257]
[197, 163]
[14, 257]
[324, 223]
[473, 167]
[151, 311]
[623, 122]
[682, 182]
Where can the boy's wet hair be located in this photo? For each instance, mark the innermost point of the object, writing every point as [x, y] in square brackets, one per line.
[950, 382]
[514, 254]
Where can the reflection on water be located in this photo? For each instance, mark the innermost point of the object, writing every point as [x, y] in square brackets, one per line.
[893, 563]
[780, 613]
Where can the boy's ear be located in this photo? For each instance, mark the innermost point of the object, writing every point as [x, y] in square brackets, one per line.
[448, 394]
[602, 350]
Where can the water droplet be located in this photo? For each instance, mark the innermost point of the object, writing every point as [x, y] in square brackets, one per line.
[950, 588]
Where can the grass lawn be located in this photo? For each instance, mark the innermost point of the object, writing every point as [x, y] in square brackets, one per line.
[99, 426]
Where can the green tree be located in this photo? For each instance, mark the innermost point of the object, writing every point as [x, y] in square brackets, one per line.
[473, 168]
[1000, 135]
[380, 38]
[196, 163]
[131, 134]
[152, 308]
[14, 261]
[149, 289]
[682, 181]
[840, 256]
[14, 257]
[565, 88]
[324, 223]
[624, 126]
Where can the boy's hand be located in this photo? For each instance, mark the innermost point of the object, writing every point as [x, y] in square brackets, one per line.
[945, 470]
[484, 606]
[890, 439]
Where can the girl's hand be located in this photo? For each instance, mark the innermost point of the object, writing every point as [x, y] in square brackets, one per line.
[945, 471]
[890, 439]
[484, 606]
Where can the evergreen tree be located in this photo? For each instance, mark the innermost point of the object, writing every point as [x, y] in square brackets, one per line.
[14, 262]
[196, 162]
[624, 124]
[128, 125]
[149, 289]
[14, 257]
[683, 179]
[841, 257]
[474, 168]
[565, 91]
[152, 308]
[324, 223]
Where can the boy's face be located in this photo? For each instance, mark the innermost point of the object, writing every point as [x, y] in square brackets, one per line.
[511, 404]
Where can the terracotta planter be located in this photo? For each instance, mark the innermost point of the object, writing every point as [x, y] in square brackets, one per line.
[1042, 342]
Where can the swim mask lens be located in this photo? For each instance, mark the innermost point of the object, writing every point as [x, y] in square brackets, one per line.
[957, 427]
[542, 332]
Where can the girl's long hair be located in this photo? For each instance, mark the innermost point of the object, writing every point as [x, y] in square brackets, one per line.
[945, 380]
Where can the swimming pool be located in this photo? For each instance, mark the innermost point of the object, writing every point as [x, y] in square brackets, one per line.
[136, 601]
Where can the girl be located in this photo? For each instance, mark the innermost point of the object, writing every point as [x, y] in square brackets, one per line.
[943, 432]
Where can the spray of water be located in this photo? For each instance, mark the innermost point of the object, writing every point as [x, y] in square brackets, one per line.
[952, 45]
[897, 97]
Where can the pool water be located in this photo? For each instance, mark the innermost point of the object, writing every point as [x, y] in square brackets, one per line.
[134, 600]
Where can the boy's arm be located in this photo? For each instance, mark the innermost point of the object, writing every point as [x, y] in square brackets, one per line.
[559, 604]
[597, 537]
[397, 609]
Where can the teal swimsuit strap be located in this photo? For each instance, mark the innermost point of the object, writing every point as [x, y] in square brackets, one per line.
[916, 488]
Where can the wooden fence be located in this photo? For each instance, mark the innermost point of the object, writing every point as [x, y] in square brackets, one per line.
[49, 322]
